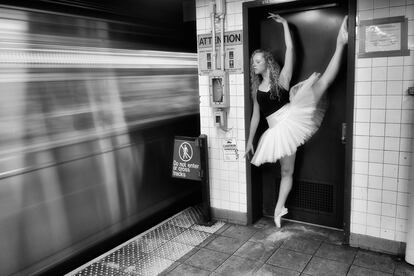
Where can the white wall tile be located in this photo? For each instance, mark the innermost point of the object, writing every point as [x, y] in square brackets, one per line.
[397, 11]
[402, 199]
[379, 62]
[389, 184]
[389, 197]
[373, 231]
[393, 116]
[378, 102]
[394, 87]
[374, 195]
[395, 73]
[394, 102]
[361, 128]
[373, 220]
[360, 180]
[397, 3]
[376, 143]
[381, 3]
[379, 88]
[390, 170]
[403, 185]
[363, 88]
[392, 143]
[361, 142]
[392, 130]
[375, 182]
[377, 129]
[388, 210]
[362, 115]
[378, 116]
[363, 74]
[383, 12]
[374, 208]
[379, 73]
[365, 4]
[363, 101]
[376, 156]
[375, 169]
[400, 225]
[391, 157]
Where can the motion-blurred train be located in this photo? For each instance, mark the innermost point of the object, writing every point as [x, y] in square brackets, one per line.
[90, 105]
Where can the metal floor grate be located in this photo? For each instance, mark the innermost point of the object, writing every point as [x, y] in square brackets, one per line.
[153, 251]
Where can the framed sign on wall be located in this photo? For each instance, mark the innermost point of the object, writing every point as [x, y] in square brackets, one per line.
[383, 37]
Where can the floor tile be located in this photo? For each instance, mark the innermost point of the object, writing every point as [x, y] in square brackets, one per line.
[255, 251]
[238, 266]
[270, 270]
[289, 259]
[324, 267]
[344, 254]
[239, 232]
[173, 250]
[308, 231]
[336, 237]
[225, 244]
[191, 237]
[307, 246]
[187, 270]
[264, 223]
[404, 269]
[374, 261]
[207, 259]
[275, 236]
[361, 271]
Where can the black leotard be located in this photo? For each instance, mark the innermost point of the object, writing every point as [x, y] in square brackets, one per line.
[269, 106]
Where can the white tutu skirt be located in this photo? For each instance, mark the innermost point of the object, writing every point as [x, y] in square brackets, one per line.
[293, 124]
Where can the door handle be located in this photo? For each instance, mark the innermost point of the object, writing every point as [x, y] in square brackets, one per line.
[343, 135]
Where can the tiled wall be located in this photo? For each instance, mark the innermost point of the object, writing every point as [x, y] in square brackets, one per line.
[383, 132]
[227, 179]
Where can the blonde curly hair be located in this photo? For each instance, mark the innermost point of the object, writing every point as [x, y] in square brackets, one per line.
[274, 72]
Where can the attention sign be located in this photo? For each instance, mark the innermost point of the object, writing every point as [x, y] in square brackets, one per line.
[186, 160]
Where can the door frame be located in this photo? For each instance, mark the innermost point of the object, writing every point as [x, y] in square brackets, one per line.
[254, 193]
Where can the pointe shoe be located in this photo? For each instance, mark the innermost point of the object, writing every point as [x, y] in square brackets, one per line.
[278, 217]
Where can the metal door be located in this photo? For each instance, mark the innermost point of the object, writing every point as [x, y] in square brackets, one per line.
[317, 193]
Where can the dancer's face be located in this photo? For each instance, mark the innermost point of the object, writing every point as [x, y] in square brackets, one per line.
[259, 63]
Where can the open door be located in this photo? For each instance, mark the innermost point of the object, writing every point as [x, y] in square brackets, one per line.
[318, 189]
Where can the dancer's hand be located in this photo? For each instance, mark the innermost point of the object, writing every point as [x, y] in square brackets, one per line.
[277, 18]
[249, 148]
[342, 38]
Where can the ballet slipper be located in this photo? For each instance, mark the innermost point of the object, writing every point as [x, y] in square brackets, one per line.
[277, 218]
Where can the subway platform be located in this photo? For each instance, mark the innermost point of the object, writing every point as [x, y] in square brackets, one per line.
[179, 246]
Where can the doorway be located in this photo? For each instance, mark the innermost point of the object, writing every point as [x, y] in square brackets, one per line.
[320, 193]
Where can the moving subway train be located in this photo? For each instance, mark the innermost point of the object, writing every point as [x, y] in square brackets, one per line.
[88, 112]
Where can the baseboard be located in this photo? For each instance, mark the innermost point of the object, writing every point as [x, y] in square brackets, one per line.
[229, 216]
[377, 244]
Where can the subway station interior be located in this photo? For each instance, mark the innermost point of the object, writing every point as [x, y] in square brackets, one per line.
[141, 113]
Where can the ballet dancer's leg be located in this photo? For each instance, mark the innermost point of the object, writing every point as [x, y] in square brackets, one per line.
[333, 67]
[287, 164]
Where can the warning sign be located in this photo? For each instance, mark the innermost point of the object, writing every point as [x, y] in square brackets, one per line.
[186, 161]
[231, 153]
[233, 51]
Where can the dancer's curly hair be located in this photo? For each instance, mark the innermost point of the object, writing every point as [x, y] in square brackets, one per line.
[274, 72]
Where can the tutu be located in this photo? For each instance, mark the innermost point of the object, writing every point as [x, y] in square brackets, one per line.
[293, 124]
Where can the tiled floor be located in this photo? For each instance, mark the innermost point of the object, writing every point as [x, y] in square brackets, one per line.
[180, 247]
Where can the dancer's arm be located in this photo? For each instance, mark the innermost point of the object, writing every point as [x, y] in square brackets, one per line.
[287, 70]
[254, 122]
[333, 67]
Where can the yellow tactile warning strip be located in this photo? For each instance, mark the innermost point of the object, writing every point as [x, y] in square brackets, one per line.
[153, 251]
